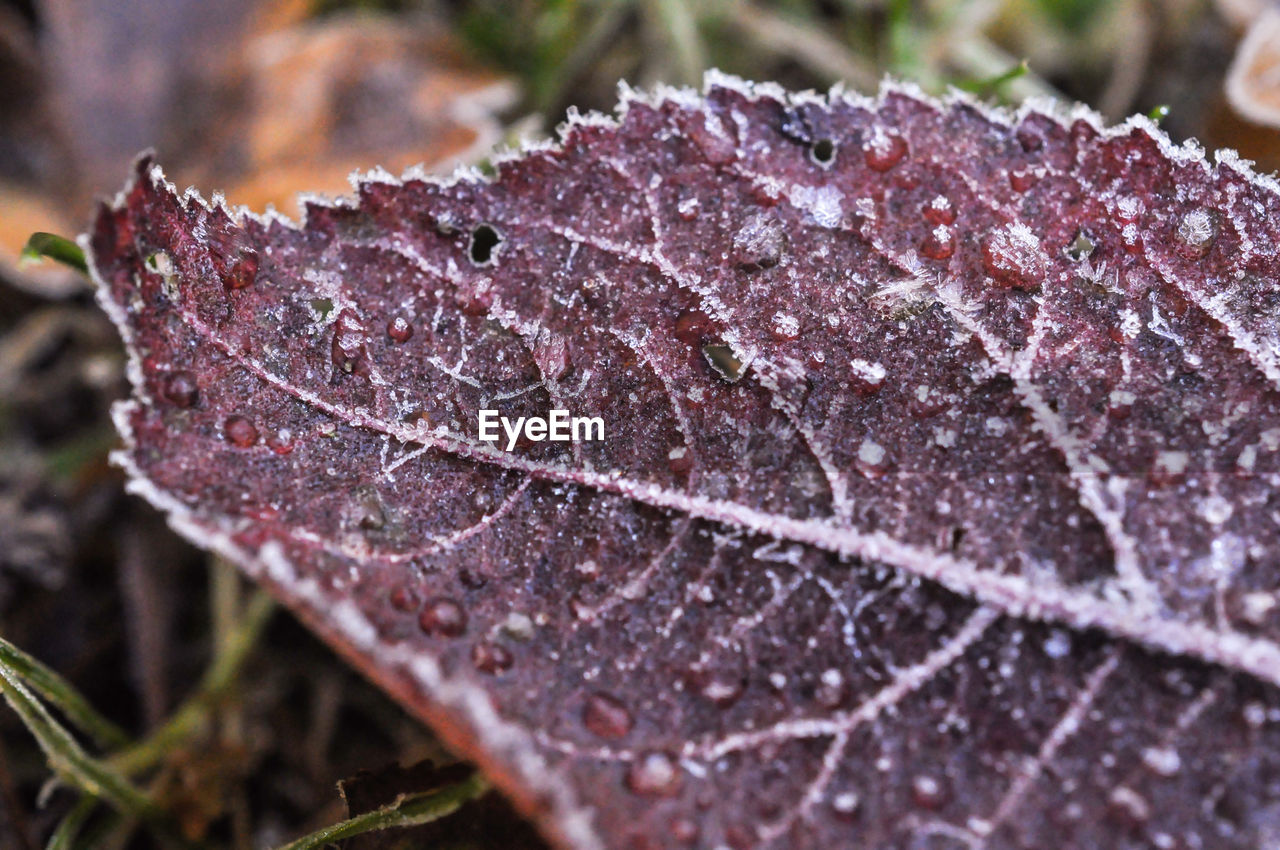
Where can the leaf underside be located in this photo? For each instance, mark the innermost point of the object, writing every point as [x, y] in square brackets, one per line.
[937, 505]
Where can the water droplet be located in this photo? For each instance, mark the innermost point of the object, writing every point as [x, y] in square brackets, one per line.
[403, 598]
[1011, 256]
[723, 360]
[687, 209]
[883, 149]
[243, 271]
[927, 792]
[1163, 761]
[485, 241]
[443, 616]
[939, 211]
[940, 244]
[759, 243]
[180, 388]
[399, 329]
[491, 658]
[606, 717]
[240, 431]
[654, 774]
[1195, 234]
[845, 804]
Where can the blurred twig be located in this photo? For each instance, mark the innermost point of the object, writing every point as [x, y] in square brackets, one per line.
[811, 47]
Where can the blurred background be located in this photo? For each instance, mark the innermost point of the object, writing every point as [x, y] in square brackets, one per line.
[261, 99]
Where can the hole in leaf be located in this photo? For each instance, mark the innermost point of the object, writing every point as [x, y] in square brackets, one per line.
[723, 361]
[322, 306]
[484, 241]
[1081, 248]
[823, 152]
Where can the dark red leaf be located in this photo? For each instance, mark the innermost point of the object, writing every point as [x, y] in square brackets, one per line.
[938, 504]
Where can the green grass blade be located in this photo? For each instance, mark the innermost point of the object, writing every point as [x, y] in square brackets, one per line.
[67, 760]
[58, 691]
[55, 247]
[409, 810]
[64, 837]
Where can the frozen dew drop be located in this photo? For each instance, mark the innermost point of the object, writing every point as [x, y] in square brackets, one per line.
[403, 598]
[1195, 233]
[927, 792]
[348, 341]
[723, 688]
[830, 692]
[606, 717]
[845, 804]
[243, 271]
[485, 241]
[939, 211]
[280, 441]
[1058, 644]
[687, 208]
[785, 326]
[654, 774]
[1162, 761]
[1022, 179]
[940, 244]
[399, 329]
[491, 658]
[443, 616]
[759, 243]
[240, 431]
[1129, 807]
[883, 149]
[181, 389]
[680, 459]
[1129, 208]
[722, 359]
[1011, 256]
